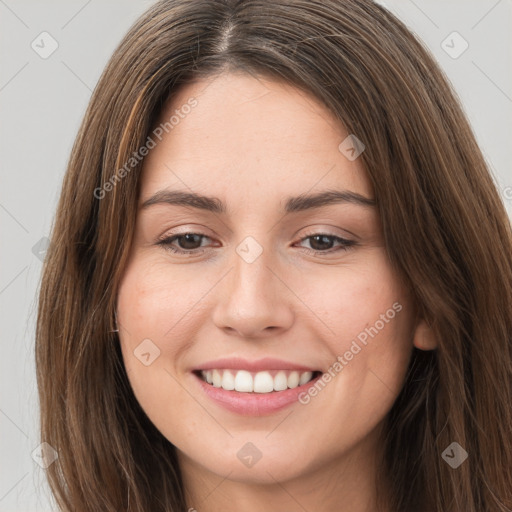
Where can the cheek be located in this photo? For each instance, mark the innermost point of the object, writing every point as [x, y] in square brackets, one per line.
[160, 310]
[350, 299]
[152, 300]
[367, 316]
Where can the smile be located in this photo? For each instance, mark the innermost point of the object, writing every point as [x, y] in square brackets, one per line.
[256, 382]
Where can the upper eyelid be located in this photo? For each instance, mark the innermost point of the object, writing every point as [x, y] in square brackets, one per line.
[204, 235]
[310, 231]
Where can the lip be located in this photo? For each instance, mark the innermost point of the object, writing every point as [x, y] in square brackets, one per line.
[260, 365]
[253, 404]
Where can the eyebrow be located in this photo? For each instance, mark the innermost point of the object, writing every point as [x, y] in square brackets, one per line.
[292, 204]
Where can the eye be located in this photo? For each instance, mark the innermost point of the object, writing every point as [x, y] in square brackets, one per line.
[187, 241]
[190, 243]
[323, 242]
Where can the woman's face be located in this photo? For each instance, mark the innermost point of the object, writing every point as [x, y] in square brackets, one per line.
[271, 284]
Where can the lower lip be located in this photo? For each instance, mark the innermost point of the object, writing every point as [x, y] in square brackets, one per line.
[254, 404]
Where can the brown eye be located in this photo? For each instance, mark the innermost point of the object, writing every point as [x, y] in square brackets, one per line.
[188, 240]
[323, 243]
[188, 243]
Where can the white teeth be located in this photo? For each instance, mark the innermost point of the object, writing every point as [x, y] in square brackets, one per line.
[263, 382]
[243, 381]
[216, 378]
[293, 380]
[228, 381]
[305, 377]
[280, 382]
[259, 382]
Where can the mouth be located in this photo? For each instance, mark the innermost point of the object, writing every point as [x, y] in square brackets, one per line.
[254, 387]
[261, 382]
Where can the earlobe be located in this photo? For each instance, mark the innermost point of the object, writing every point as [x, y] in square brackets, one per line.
[424, 338]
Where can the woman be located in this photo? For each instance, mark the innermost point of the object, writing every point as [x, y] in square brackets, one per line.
[200, 348]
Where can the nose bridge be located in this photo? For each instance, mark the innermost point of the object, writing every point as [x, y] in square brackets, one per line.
[253, 300]
[252, 276]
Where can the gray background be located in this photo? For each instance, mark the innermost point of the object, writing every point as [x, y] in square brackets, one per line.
[42, 101]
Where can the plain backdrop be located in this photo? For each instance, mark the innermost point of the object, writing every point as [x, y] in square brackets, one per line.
[42, 100]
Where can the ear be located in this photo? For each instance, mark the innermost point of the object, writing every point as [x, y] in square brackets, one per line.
[424, 337]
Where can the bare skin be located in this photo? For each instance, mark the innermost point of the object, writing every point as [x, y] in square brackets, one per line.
[253, 143]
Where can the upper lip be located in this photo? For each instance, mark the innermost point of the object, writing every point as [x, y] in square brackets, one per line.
[267, 363]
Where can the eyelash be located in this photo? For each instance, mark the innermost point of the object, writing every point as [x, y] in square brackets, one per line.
[345, 244]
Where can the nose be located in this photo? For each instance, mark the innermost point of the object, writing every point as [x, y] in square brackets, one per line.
[254, 300]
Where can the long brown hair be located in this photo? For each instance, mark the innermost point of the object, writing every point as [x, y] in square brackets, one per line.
[446, 232]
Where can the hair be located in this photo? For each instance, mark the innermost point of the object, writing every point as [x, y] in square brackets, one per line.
[446, 233]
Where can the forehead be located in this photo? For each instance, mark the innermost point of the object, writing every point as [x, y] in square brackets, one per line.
[249, 137]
